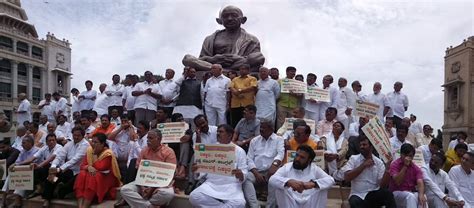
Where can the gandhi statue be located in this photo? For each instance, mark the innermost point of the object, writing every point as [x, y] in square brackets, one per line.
[230, 47]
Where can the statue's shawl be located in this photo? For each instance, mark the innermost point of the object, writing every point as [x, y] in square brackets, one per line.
[246, 44]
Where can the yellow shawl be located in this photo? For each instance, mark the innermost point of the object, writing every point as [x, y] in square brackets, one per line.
[104, 154]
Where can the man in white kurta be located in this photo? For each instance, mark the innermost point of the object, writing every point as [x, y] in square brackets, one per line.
[221, 190]
[312, 106]
[301, 183]
[87, 98]
[24, 110]
[268, 90]
[345, 104]
[114, 94]
[380, 99]
[47, 107]
[398, 140]
[398, 104]
[170, 91]
[100, 105]
[333, 95]
[463, 177]
[216, 96]
[60, 107]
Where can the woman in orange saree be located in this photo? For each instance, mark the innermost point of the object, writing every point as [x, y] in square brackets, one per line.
[100, 174]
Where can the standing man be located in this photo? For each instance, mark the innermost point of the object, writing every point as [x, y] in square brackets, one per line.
[287, 101]
[345, 104]
[24, 110]
[87, 98]
[114, 94]
[75, 105]
[147, 94]
[380, 99]
[398, 104]
[189, 100]
[333, 94]
[101, 105]
[243, 90]
[61, 105]
[169, 91]
[268, 91]
[128, 100]
[216, 95]
[47, 107]
[274, 73]
[312, 106]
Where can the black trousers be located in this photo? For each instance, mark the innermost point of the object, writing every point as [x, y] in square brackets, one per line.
[67, 177]
[235, 115]
[131, 171]
[40, 175]
[378, 198]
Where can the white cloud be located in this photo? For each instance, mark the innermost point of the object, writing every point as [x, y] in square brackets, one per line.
[370, 41]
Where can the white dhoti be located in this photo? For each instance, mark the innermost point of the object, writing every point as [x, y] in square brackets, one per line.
[199, 198]
[289, 198]
[406, 199]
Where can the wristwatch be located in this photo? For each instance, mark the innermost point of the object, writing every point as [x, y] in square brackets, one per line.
[275, 163]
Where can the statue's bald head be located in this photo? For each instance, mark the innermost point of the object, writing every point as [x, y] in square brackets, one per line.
[231, 8]
[231, 17]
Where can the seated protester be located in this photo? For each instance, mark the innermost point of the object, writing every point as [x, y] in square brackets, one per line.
[86, 122]
[463, 178]
[38, 135]
[437, 181]
[266, 152]
[302, 134]
[204, 133]
[135, 148]
[297, 113]
[28, 151]
[369, 178]
[355, 126]
[142, 196]
[182, 149]
[325, 126]
[122, 137]
[60, 138]
[161, 117]
[64, 127]
[426, 136]
[20, 133]
[65, 166]
[289, 133]
[398, 140]
[247, 128]
[406, 178]
[301, 183]
[453, 156]
[7, 153]
[411, 137]
[115, 117]
[99, 175]
[95, 118]
[460, 138]
[219, 190]
[336, 148]
[106, 128]
[389, 127]
[435, 146]
[43, 123]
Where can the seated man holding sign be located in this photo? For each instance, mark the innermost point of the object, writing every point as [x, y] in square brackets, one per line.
[301, 183]
[146, 196]
[223, 190]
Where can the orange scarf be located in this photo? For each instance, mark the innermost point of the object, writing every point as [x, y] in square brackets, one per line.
[104, 154]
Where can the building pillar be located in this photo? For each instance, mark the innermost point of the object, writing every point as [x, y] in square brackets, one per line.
[44, 82]
[14, 46]
[29, 86]
[30, 50]
[14, 79]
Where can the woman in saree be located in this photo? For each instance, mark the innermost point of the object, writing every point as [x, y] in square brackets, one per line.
[100, 174]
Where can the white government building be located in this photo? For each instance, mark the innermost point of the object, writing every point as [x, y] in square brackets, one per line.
[28, 64]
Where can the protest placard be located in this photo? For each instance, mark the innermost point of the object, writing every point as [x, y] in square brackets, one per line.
[293, 85]
[155, 173]
[3, 167]
[318, 94]
[366, 109]
[419, 159]
[215, 158]
[288, 125]
[377, 136]
[318, 160]
[172, 132]
[21, 178]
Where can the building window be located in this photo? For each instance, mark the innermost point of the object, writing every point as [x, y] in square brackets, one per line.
[453, 102]
[22, 48]
[21, 89]
[5, 90]
[5, 67]
[37, 52]
[22, 71]
[36, 73]
[36, 95]
[6, 43]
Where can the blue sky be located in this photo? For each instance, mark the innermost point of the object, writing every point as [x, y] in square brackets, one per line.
[369, 41]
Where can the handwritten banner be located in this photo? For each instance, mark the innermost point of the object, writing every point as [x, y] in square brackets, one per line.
[21, 178]
[215, 158]
[318, 160]
[418, 159]
[293, 85]
[377, 136]
[3, 171]
[318, 94]
[172, 132]
[155, 173]
[366, 109]
[288, 125]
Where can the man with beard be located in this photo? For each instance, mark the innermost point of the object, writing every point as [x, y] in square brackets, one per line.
[463, 177]
[301, 183]
[369, 178]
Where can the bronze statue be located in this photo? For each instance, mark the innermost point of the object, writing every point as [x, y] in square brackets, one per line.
[230, 47]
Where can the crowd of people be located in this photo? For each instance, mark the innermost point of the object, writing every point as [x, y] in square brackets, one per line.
[98, 148]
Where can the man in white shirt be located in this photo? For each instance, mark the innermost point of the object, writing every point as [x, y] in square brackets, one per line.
[435, 146]
[216, 95]
[67, 164]
[100, 105]
[380, 99]
[369, 178]
[135, 148]
[437, 181]
[204, 133]
[20, 133]
[86, 121]
[128, 99]
[60, 106]
[264, 157]
[415, 127]
[301, 183]
[59, 135]
[268, 91]
[87, 98]
[169, 91]
[122, 136]
[43, 123]
[345, 103]
[219, 190]
[398, 104]
[333, 95]
[426, 136]
[357, 89]
[47, 107]
[75, 105]
[65, 128]
[24, 110]
[114, 94]
[463, 177]
[147, 93]
[312, 106]
[398, 140]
